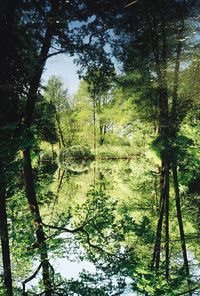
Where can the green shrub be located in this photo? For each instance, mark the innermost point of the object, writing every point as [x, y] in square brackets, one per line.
[76, 158]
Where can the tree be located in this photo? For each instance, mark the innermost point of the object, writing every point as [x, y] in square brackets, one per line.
[57, 96]
[17, 56]
[151, 43]
[46, 26]
[99, 82]
[152, 38]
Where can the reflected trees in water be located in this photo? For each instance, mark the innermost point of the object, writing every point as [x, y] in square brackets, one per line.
[125, 194]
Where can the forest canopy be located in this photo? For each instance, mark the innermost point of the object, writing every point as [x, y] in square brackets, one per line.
[108, 177]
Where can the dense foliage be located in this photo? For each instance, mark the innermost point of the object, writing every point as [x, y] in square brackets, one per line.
[107, 178]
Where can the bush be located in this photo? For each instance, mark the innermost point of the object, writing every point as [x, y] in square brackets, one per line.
[76, 158]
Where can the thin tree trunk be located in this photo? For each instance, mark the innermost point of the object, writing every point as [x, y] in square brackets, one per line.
[157, 246]
[164, 129]
[175, 128]
[28, 171]
[156, 201]
[40, 236]
[167, 259]
[164, 185]
[180, 223]
[61, 138]
[101, 129]
[164, 191]
[164, 179]
[8, 107]
[35, 81]
[60, 183]
[7, 275]
[102, 185]
[94, 123]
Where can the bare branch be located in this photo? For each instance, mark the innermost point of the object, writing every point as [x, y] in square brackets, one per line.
[31, 277]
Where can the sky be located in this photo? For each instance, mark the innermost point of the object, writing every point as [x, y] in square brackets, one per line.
[62, 65]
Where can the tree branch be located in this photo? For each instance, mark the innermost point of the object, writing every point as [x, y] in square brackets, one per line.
[188, 291]
[80, 228]
[31, 277]
[56, 53]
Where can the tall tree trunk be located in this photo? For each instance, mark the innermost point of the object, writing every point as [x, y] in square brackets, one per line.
[7, 276]
[102, 132]
[159, 45]
[94, 123]
[164, 128]
[180, 223]
[174, 130]
[164, 178]
[28, 171]
[61, 137]
[167, 259]
[8, 108]
[163, 195]
[40, 236]
[35, 81]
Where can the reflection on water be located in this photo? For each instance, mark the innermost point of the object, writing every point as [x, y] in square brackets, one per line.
[101, 227]
[135, 195]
